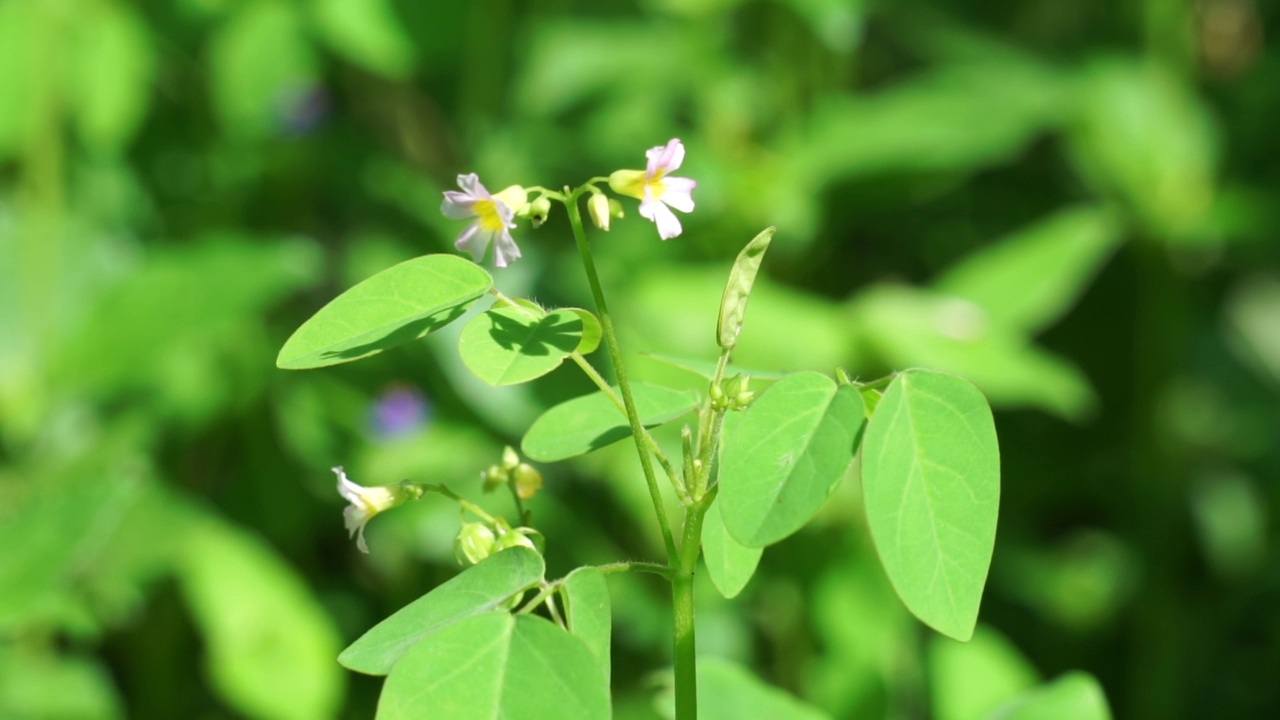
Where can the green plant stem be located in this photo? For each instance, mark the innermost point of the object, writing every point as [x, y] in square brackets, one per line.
[463, 502]
[520, 511]
[615, 356]
[684, 642]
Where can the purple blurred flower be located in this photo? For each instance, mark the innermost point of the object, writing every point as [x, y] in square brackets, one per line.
[399, 411]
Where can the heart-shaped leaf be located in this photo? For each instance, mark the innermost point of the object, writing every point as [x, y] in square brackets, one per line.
[588, 613]
[511, 345]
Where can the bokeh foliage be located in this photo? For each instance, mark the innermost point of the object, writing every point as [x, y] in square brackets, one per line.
[1070, 204]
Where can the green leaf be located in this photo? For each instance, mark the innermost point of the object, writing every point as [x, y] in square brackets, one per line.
[497, 665]
[261, 60]
[507, 346]
[911, 327]
[730, 564]
[1074, 696]
[727, 691]
[35, 683]
[737, 291]
[1062, 253]
[588, 613]
[931, 484]
[368, 33]
[591, 330]
[22, 35]
[398, 305]
[476, 590]
[969, 680]
[578, 426]
[112, 67]
[707, 368]
[786, 454]
[272, 657]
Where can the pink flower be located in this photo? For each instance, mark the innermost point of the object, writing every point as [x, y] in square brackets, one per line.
[657, 191]
[493, 218]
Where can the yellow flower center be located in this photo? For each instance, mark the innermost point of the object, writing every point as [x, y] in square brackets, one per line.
[487, 214]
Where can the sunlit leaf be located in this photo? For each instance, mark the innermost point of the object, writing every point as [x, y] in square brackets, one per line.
[969, 680]
[785, 456]
[730, 564]
[588, 613]
[367, 32]
[1074, 696]
[1030, 278]
[912, 327]
[590, 422]
[262, 62]
[113, 63]
[728, 691]
[38, 683]
[497, 665]
[592, 333]
[1144, 136]
[398, 305]
[931, 484]
[476, 590]
[506, 346]
[269, 645]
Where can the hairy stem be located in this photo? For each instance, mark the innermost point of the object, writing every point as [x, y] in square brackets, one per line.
[615, 356]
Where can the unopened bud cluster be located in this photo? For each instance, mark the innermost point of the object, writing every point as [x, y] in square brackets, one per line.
[477, 541]
[734, 394]
[524, 477]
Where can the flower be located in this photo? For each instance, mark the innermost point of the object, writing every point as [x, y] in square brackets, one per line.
[366, 502]
[656, 190]
[493, 218]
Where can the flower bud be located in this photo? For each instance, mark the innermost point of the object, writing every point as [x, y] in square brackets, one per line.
[537, 211]
[598, 208]
[738, 391]
[494, 478]
[716, 393]
[514, 197]
[628, 182]
[474, 543]
[509, 458]
[527, 479]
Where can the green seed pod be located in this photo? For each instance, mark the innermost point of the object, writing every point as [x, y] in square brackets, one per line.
[733, 306]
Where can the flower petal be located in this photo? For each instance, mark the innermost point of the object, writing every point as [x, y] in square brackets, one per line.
[672, 155]
[668, 224]
[504, 249]
[470, 184]
[354, 518]
[457, 206]
[678, 199]
[473, 241]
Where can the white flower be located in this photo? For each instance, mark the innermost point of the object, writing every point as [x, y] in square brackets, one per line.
[366, 502]
[657, 191]
[493, 218]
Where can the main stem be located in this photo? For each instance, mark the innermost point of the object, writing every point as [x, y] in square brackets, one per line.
[615, 356]
[684, 643]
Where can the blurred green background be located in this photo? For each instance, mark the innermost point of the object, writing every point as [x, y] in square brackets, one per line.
[1072, 203]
